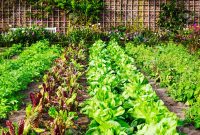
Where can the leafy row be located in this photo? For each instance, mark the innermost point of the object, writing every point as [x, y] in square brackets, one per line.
[122, 102]
[16, 74]
[10, 52]
[174, 68]
[28, 54]
[54, 110]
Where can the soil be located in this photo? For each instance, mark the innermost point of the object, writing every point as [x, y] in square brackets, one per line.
[2, 49]
[14, 57]
[177, 107]
[83, 121]
[16, 116]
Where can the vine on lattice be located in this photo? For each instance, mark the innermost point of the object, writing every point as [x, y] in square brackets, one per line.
[78, 11]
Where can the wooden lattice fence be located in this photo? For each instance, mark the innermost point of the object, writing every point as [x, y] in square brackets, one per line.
[138, 13]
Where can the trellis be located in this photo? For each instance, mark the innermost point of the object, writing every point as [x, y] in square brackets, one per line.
[140, 12]
[137, 13]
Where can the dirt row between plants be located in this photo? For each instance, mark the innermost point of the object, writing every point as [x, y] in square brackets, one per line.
[2, 49]
[177, 107]
[16, 116]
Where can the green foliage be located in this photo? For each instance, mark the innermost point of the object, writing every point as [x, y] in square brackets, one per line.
[150, 38]
[79, 11]
[63, 118]
[8, 53]
[118, 33]
[190, 37]
[193, 114]
[173, 16]
[121, 100]
[86, 34]
[16, 74]
[173, 67]
[27, 36]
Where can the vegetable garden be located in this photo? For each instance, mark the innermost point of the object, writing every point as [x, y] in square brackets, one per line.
[123, 81]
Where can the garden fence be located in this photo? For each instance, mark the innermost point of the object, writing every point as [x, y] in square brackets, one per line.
[136, 13]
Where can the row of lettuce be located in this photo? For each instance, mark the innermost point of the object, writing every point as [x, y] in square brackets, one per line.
[122, 102]
[173, 67]
[16, 73]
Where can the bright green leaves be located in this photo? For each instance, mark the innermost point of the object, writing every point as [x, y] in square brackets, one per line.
[52, 112]
[10, 52]
[175, 68]
[164, 127]
[16, 74]
[122, 102]
[193, 114]
[105, 107]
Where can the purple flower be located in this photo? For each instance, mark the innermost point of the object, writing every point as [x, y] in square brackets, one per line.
[194, 25]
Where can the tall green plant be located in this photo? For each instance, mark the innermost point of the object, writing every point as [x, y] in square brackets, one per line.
[79, 11]
[173, 17]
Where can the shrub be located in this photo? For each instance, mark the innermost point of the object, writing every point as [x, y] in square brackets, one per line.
[173, 17]
[27, 36]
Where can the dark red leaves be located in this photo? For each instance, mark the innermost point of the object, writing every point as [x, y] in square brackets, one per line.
[21, 127]
[10, 127]
[3, 133]
[44, 87]
[35, 98]
[56, 130]
[64, 94]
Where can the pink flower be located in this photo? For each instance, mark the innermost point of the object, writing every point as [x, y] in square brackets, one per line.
[194, 25]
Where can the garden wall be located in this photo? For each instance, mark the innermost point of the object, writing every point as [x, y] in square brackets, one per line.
[138, 13]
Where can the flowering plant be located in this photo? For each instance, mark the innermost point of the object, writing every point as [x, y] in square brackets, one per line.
[190, 37]
[194, 37]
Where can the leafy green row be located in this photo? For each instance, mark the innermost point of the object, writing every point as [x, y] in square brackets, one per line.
[29, 53]
[122, 102]
[11, 51]
[174, 68]
[16, 74]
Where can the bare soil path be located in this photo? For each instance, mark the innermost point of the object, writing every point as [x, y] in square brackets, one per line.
[2, 49]
[16, 116]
